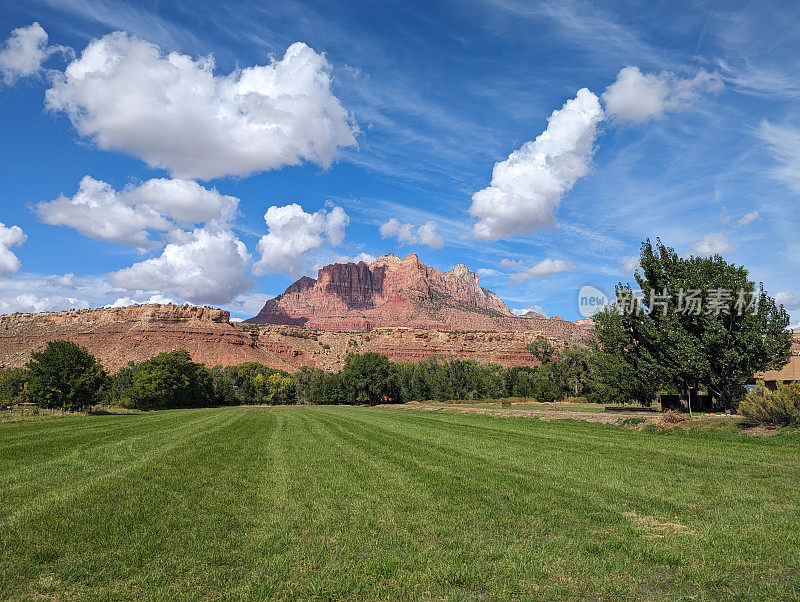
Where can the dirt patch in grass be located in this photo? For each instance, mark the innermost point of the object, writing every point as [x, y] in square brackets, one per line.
[655, 527]
[768, 430]
[542, 412]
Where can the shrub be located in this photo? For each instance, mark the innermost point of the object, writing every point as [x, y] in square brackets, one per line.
[65, 375]
[13, 385]
[780, 407]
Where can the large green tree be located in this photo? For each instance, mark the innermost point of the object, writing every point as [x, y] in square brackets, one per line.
[621, 367]
[702, 321]
[171, 380]
[367, 378]
[65, 375]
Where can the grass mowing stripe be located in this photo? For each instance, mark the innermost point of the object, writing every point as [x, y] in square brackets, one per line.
[631, 456]
[72, 460]
[57, 490]
[54, 442]
[141, 506]
[466, 494]
[354, 503]
[410, 434]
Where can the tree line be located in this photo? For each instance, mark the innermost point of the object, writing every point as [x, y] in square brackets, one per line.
[67, 376]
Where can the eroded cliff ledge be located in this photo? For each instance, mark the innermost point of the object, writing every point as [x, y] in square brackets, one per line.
[120, 335]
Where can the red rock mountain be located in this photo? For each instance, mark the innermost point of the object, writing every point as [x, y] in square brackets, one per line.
[397, 307]
[389, 292]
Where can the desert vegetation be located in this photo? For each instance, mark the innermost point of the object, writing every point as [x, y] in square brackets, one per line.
[778, 407]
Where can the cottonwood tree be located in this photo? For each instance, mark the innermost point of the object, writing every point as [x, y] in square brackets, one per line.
[621, 366]
[701, 321]
[65, 375]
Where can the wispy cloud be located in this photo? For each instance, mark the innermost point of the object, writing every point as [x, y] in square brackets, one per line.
[137, 19]
[783, 142]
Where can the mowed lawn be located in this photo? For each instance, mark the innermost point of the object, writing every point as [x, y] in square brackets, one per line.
[343, 502]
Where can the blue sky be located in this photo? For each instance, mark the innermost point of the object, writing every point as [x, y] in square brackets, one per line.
[130, 173]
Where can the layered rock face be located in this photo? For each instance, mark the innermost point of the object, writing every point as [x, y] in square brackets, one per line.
[327, 349]
[389, 292]
[136, 333]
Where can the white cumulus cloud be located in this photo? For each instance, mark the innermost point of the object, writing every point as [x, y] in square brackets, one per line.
[35, 293]
[715, 243]
[546, 267]
[789, 299]
[24, 52]
[183, 200]
[428, 235]
[99, 211]
[205, 266]
[31, 303]
[528, 186]
[154, 299]
[406, 233]
[292, 232]
[10, 236]
[636, 97]
[69, 281]
[173, 112]
[365, 257]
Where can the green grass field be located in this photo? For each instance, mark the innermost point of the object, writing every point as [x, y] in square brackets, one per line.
[299, 502]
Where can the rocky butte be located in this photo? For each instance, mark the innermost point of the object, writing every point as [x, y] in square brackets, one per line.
[391, 292]
[398, 307]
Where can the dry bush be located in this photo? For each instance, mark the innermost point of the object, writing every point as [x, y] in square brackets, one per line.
[673, 417]
[780, 407]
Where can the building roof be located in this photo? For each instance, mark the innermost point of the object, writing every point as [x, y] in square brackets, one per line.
[791, 371]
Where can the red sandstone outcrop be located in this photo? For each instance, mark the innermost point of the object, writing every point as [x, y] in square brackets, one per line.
[136, 333]
[391, 292]
[328, 349]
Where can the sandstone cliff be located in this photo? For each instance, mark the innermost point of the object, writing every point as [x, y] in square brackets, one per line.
[328, 349]
[135, 333]
[123, 334]
[390, 292]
